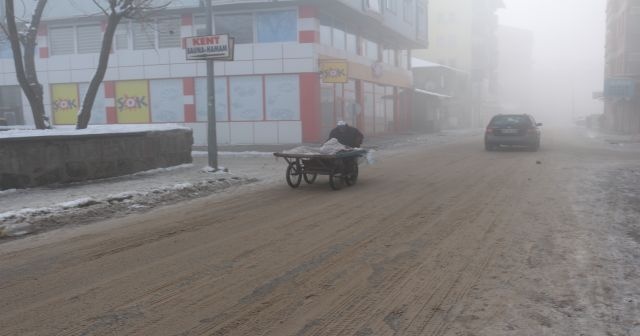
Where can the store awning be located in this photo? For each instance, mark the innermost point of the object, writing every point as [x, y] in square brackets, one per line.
[433, 94]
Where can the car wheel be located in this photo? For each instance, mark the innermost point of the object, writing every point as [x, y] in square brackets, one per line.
[489, 147]
[535, 147]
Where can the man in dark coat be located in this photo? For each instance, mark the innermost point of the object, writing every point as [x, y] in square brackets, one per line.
[347, 135]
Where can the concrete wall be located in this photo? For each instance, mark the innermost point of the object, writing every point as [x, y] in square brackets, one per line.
[36, 161]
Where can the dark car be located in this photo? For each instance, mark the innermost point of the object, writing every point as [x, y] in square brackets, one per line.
[512, 130]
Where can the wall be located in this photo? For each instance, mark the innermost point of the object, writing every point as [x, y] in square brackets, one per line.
[36, 161]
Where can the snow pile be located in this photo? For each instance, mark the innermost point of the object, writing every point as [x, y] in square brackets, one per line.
[83, 210]
[93, 129]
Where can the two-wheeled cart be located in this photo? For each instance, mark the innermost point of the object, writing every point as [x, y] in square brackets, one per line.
[342, 167]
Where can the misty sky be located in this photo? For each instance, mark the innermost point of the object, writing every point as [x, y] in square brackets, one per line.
[568, 52]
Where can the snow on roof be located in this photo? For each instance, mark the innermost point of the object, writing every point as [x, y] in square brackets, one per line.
[421, 63]
[97, 129]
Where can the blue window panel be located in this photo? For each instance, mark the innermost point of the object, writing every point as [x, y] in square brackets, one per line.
[5, 47]
[280, 26]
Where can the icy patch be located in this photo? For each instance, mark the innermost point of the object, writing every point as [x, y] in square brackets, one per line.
[8, 191]
[161, 170]
[209, 169]
[82, 202]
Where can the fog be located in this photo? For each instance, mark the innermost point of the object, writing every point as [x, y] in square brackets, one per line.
[568, 55]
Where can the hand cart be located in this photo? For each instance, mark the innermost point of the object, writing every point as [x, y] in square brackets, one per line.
[342, 167]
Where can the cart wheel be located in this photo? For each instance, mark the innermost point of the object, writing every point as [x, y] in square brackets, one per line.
[310, 178]
[336, 181]
[352, 177]
[293, 175]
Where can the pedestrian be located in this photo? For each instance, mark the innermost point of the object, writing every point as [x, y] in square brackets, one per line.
[347, 135]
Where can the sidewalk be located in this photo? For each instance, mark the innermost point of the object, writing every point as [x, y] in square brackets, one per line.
[45, 208]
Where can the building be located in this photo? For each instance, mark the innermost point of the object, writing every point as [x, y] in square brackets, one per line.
[622, 67]
[462, 35]
[280, 88]
[515, 69]
[440, 90]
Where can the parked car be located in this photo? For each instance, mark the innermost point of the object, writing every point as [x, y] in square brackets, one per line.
[512, 130]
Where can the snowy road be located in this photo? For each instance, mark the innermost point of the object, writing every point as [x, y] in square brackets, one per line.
[438, 240]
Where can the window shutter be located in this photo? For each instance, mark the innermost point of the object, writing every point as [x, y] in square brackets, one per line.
[169, 33]
[122, 36]
[89, 39]
[61, 40]
[144, 36]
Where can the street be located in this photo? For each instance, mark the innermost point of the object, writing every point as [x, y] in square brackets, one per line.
[438, 240]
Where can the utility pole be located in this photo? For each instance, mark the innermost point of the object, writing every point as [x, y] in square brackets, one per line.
[212, 141]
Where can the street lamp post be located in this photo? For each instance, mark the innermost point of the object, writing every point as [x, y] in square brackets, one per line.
[212, 141]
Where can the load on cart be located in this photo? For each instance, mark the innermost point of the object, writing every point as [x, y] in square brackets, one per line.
[338, 158]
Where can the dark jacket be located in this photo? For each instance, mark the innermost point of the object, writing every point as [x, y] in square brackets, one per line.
[347, 135]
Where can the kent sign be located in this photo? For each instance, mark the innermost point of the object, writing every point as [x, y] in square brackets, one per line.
[214, 47]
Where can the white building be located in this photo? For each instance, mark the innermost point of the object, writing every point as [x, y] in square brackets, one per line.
[271, 93]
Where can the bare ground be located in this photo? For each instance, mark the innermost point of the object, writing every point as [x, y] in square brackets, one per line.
[448, 240]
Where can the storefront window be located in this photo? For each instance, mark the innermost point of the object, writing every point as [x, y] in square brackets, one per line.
[98, 110]
[167, 104]
[283, 97]
[246, 98]
[222, 105]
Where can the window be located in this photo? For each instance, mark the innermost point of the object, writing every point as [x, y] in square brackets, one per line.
[89, 39]
[423, 24]
[200, 25]
[391, 5]
[325, 35]
[239, 26]
[371, 50]
[144, 36]
[246, 98]
[122, 36]
[5, 46]
[280, 26]
[389, 56]
[61, 40]
[373, 6]
[403, 59]
[167, 104]
[352, 44]
[339, 38]
[169, 33]
[222, 104]
[408, 11]
[283, 97]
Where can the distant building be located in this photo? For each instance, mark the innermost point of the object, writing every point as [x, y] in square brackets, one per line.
[440, 91]
[462, 35]
[622, 67]
[274, 90]
[515, 69]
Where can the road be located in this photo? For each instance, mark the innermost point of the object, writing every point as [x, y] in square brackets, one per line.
[441, 240]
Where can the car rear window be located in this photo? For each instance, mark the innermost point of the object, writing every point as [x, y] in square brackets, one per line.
[510, 121]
